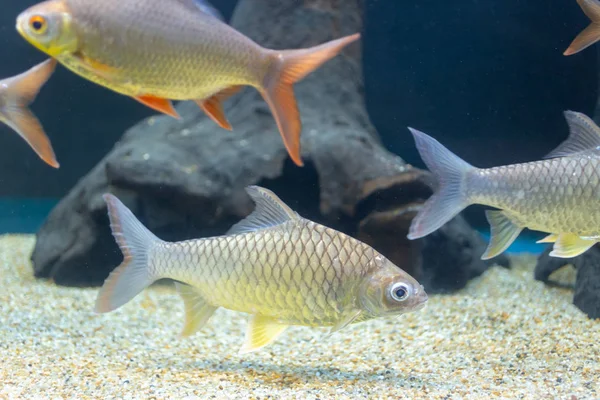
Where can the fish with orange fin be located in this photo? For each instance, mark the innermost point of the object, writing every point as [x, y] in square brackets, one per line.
[591, 34]
[16, 94]
[157, 51]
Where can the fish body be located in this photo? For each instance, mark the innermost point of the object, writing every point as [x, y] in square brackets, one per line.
[559, 195]
[161, 50]
[279, 267]
[16, 93]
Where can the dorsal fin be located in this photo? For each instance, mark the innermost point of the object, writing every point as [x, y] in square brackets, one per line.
[584, 135]
[203, 6]
[270, 211]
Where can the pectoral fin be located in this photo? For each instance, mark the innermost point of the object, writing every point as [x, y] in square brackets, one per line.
[549, 239]
[261, 331]
[347, 319]
[197, 310]
[106, 71]
[502, 233]
[159, 104]
[569, 245]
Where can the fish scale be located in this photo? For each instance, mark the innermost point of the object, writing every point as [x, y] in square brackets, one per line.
[556, 195]
[237, 261]
[186, 48]
[275, 265]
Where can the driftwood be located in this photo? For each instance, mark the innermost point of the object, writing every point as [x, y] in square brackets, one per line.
[185, 179]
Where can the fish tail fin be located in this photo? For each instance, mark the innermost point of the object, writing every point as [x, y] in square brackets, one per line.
[591, 34]
[289, 67]
[451, 197]
[21, 91]
[134, 274]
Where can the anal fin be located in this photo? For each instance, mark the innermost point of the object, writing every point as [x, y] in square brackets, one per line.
[569, 245]
[159, 104]
[213, 106]
[261, 331]
[502, 233]
[197, 310]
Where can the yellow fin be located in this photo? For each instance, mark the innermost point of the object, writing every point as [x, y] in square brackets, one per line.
[569, 245]
[261, 331]
[502, 233]
[103, 70]
[551, 238]
[197, 310]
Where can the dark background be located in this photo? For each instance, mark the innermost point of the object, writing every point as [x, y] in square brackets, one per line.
[486, 78]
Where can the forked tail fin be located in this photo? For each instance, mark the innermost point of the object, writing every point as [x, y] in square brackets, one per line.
[134, 274]
[591, 34]
[450, 198]
[20, 91]
[289, 67]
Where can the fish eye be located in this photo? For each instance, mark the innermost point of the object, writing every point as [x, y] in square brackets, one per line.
[38, 24]
[399, 292]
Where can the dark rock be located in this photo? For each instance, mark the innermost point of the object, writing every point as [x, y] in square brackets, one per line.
[452, 256]
[587, 284]
[443, 261]
[185, 178]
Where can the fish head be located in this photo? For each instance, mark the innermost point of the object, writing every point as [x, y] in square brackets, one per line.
[389, 290]
[48, 27]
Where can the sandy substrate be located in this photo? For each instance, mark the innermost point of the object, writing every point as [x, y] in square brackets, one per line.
[504, 336]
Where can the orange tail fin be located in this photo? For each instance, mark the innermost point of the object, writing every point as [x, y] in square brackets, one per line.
[19, 92]
[289, 67]
[591, 34]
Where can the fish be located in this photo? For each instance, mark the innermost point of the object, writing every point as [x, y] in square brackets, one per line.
[156, 51]
[16, 94]
[275, 265]
[209, 9]
[558, 195]
[591, 34]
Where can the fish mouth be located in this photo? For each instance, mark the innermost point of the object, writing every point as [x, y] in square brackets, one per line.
[19, 26]
[421, 298]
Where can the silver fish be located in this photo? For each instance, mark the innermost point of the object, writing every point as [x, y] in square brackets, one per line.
[559, 195]
[279, 267]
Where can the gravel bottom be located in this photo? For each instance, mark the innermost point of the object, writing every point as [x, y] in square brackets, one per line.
[504, 336]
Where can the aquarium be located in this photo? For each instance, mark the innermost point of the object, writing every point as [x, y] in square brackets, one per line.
[311, 199]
